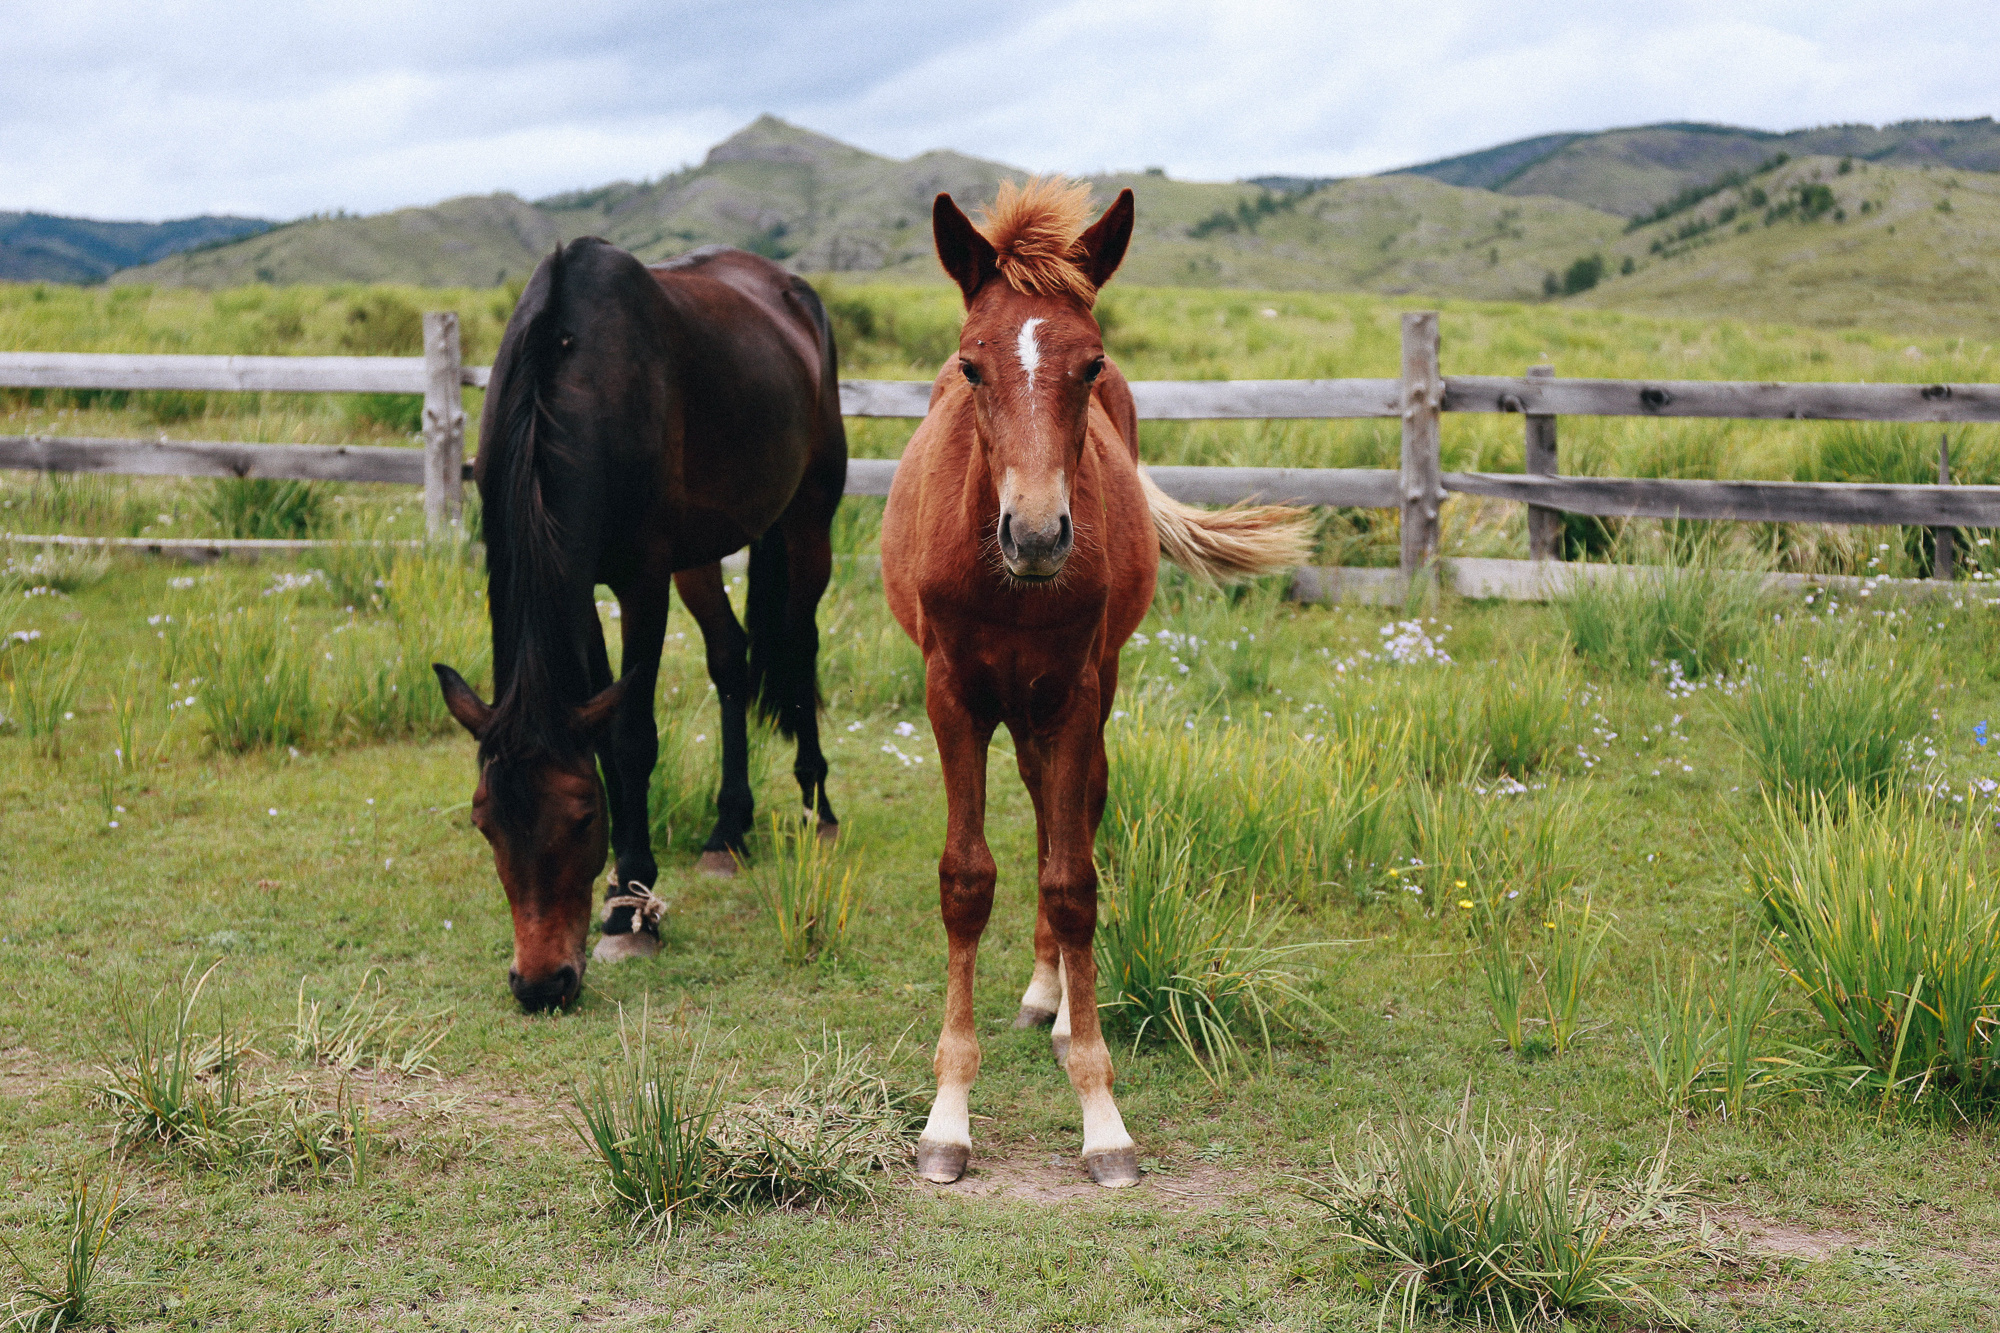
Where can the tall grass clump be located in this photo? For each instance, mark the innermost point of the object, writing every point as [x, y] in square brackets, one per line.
[170, 1086]
[264, 507]
[368, 1031]
[1884, 918]
[57, 569]
[1680, 611]
[435, 598]
[1496, 1226]
[1186, 967]
[255, 676]
[1261, 800]
[1484, 852]
[808, 894]
[1525, 710]
[1837, 723]
[48, 1305]
[42, 691]
[668, 1147]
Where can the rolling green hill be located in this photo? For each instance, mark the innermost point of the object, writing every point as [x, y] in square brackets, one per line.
[41, 247]
[1892, 241]
[1633, 171]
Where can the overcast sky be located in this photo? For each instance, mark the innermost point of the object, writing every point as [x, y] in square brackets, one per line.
[164, 108]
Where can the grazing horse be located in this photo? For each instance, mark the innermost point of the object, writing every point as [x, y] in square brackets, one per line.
[641, 424]
[1019, 550]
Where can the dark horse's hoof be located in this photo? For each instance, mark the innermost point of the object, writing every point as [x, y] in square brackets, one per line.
[722, 865]
[632, 944]
[1032, 1017]
[1114, 1169]
[829, 831]
[941, 1163]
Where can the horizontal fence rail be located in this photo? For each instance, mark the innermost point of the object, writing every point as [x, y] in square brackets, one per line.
[1418, 399]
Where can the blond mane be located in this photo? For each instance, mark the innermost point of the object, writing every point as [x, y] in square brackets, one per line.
[1034, 230]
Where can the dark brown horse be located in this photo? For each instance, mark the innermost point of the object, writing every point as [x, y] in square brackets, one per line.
[1019, 550]
[641, 424]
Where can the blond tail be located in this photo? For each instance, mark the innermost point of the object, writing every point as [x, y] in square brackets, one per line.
[1220, 545]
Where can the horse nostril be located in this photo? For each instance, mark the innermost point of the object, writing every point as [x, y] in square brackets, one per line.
[1063, 533]
[1006, 532]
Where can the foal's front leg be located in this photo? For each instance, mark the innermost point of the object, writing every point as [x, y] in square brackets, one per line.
[965, 900]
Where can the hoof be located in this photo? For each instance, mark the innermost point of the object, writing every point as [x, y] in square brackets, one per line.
[632, 944]
[1031, 1017]
[942, 1163]
[722, 865]
[1060, 1045]
[829, 831]
[1114, 1169]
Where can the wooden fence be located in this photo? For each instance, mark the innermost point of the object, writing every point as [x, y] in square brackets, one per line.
[1419, 398]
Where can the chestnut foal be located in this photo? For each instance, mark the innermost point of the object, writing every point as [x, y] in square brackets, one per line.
[1019, 549]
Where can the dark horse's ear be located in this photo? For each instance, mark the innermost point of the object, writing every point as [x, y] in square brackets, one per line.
[1104, 244]
[590, 719]
[965, 254]
[463, 703]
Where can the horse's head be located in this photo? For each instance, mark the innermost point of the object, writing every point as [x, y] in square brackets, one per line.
[1031, 350]
[543, 812]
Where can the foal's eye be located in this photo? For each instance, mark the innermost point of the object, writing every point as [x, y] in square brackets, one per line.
[971, 372]
[1093, 370]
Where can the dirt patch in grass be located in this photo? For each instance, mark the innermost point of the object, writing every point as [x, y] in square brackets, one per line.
[1785, 1240]
[1049, 1179]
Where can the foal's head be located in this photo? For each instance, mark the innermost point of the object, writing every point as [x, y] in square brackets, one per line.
[1031, 350]
[541, 807]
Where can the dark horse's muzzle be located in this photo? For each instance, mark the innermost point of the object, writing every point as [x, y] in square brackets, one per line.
[557, 990]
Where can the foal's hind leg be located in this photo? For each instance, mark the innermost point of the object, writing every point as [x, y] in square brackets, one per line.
[702, 591]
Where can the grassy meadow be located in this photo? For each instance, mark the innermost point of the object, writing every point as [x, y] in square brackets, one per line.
[1631, 959]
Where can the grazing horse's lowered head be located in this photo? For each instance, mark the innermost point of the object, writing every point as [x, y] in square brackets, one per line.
[542, 809]
[1032, 351]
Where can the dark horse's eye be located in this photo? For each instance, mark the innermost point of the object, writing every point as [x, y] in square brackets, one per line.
[971, 372]
[1093, 370]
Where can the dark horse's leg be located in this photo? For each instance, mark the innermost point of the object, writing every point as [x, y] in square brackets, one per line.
[627, 755]
[809, 553]
[728, 666]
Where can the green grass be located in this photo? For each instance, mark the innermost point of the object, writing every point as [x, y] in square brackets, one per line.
[335, 895]
[89, 1214]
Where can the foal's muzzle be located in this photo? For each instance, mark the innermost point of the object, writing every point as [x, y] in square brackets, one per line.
[1036, 550]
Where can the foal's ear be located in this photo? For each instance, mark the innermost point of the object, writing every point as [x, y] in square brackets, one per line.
[590, 719]
[965, 254]
[463, 703]
[1104, 244]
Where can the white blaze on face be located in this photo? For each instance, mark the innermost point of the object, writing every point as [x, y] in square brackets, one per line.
[1028, 350]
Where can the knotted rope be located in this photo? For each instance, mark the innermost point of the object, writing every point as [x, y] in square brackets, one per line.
[647, 907]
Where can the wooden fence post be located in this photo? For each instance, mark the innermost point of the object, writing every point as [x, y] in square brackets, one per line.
[1943, 539]
[1545, 525]
[1422, 480]
[444, 423]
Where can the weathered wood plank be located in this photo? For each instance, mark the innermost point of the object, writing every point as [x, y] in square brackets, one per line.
[273, 374]
[1275, 400]
[1744, 501]
[444, 423]
[1361, 488]
[206, 458]
[1545, 526]
[1422, 396]
[1740, 399]
[884, 398]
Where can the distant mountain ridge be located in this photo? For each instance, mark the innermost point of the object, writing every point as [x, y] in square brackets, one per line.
[42, 247]
[1632, 171]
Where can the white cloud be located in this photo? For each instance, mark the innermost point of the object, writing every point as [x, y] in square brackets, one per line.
[162, 109]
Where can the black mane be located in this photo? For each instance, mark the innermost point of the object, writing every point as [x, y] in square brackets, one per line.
[537, 574]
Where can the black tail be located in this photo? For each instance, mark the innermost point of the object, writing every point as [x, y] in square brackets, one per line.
[781, 670]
